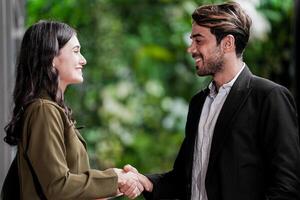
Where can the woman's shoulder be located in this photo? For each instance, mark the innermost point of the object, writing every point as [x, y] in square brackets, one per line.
[41, 103]
[44, 109]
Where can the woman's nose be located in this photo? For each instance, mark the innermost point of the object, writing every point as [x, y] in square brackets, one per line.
[83, 60]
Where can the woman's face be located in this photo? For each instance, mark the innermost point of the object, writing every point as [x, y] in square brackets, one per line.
[69, 63]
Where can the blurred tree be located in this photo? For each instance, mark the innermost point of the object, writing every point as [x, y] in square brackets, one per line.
[271, 57]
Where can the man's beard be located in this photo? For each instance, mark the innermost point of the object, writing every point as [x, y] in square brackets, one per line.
[214, 64]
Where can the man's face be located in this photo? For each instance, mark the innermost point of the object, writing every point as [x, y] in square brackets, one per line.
[208, 56]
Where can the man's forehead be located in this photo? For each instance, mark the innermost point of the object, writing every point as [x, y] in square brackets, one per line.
[199, 31]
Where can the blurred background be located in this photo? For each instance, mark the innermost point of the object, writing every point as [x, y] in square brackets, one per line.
[139, 77]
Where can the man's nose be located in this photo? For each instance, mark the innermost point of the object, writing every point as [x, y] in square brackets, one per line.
[191, 49]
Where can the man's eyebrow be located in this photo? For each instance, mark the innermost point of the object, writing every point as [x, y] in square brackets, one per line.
[196, 35]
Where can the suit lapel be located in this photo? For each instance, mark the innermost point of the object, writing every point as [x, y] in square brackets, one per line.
[192, 128]
[233, 103]
[196, 109]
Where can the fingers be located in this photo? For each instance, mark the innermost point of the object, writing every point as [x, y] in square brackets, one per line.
[121, 180]
[129, 168]
[144, 181]
[140, 186]
[119, 193]
[129, 184]
[130, 189]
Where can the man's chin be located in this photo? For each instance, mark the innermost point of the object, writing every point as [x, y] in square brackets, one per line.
[201, 72]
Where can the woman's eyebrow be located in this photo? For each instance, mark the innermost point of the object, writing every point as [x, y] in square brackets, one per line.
[76, 47]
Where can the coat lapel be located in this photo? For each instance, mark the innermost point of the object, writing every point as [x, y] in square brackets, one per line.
[80, 137]
[234, 101]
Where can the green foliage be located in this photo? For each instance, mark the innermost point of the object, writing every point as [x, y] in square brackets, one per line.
[272, 57]
[139, 78]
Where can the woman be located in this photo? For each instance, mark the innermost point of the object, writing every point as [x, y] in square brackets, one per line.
[52, 158]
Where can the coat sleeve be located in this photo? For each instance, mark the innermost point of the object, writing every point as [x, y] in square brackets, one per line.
[281, 144]
[47, 153]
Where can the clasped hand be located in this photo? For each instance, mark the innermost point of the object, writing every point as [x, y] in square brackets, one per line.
[131, 183]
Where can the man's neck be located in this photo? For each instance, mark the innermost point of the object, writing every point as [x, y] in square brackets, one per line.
[228, 73]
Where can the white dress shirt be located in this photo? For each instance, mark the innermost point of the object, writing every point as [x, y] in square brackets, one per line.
[209, 115]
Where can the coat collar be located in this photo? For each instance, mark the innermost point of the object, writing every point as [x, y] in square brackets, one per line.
[71, 123]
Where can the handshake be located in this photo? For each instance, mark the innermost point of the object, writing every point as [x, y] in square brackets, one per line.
[131, 183]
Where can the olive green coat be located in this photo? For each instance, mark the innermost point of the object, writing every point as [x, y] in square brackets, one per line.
[58, 155]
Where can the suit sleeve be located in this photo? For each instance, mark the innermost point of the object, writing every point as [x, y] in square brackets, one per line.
[47, 154]
[281, 144]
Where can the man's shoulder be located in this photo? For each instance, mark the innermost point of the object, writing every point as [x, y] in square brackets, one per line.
[263, 84]
[262, 88]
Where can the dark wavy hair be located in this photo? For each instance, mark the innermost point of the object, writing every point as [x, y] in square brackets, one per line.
[35, 72]
[224, 19]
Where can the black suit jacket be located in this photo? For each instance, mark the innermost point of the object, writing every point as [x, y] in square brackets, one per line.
[255, 152]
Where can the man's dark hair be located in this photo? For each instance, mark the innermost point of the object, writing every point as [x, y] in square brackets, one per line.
[224, 19]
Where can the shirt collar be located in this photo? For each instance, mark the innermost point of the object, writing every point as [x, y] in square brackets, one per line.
[225, 87]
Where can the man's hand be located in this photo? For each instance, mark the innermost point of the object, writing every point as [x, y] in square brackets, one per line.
[144, 181]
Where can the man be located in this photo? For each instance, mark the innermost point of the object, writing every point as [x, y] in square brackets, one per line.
[241, 139]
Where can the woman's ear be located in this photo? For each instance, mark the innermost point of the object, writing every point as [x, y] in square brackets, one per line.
[228, 43]
[54, 62]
